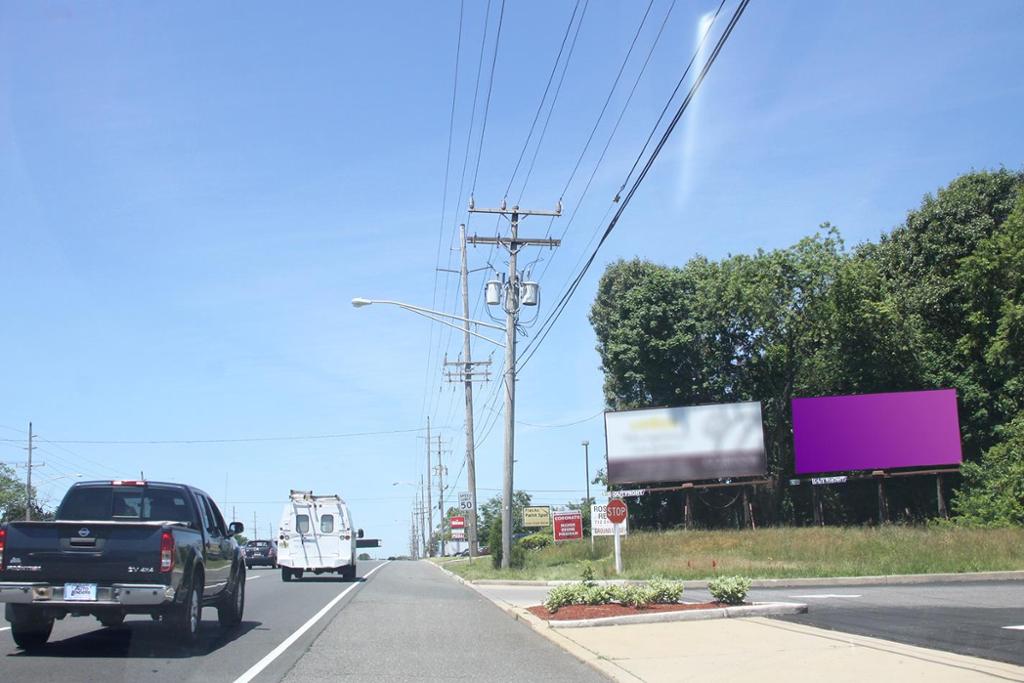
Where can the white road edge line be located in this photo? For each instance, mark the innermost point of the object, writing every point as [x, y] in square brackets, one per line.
[250, 578]
[5, 628]
[259, 666]
[1012, 628]
[825, 596]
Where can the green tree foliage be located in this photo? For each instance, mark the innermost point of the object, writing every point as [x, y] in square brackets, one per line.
[490, 514]
[12, 498]
[936, 302]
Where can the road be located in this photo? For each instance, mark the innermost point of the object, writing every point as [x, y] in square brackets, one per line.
[403, 620]
[965, 618]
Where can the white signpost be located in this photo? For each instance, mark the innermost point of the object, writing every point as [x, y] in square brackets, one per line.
[617, 511]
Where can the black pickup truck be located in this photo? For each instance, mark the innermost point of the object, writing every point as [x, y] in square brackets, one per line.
[119, 548]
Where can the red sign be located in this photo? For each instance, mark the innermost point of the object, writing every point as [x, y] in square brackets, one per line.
[458, 522]
[568, 526]
[616, 511]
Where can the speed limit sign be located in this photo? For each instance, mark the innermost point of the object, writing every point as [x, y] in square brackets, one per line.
[465, 501]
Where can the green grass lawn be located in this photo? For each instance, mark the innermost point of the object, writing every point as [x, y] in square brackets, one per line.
[774, 553]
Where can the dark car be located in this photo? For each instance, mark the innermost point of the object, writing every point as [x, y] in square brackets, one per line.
[261, 553]
[122, 547]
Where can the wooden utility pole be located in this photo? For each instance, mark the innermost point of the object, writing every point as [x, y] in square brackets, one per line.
[512, 301]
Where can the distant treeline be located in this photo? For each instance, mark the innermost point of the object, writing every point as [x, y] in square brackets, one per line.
[936, 302]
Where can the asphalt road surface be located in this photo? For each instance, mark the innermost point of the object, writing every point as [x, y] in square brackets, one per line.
[976, 619]
[404, 620]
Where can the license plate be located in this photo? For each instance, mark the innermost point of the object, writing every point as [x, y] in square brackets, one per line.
[81, 592]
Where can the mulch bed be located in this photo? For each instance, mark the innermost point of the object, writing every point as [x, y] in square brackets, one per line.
[572, 612]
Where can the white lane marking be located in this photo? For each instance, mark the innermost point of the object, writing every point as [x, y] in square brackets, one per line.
[250, 578]
[5, 628]
[259, 666]
[825, 596]
[1012, 628]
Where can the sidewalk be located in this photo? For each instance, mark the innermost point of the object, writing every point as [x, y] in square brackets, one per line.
[748, 649]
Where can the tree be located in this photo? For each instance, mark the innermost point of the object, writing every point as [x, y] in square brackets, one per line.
[490, 514]
[12, 498]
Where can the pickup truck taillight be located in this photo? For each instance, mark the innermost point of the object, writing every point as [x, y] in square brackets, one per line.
[166, 551]
[3, 542]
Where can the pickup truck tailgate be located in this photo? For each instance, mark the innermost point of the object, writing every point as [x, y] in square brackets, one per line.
[98, 552]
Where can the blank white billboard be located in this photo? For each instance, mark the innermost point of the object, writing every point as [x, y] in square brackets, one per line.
[693, 443]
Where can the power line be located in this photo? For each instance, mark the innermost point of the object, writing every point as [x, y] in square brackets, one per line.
[147, 442]
[563, 302]
[490, 88]
[544, 97]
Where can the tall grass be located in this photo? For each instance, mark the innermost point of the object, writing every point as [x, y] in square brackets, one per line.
[776, 553]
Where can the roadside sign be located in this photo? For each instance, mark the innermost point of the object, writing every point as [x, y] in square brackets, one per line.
[616, 511]
[457, 523]
[568, 526]
[600, 525]
[465, 501]
[458, 534]
[537, 516]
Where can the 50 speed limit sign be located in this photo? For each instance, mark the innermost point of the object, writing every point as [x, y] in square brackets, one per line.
[465, 501]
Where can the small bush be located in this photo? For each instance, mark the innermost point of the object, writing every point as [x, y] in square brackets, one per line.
[536, 541]
[666, 592]
[634, 596]
[588, 573]
[518, 557]
[731, 590]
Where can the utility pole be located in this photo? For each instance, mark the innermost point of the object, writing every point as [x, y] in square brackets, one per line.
[440, 487]
[515, 294]
[255, 532]
[423, 517]
[430, 508]
[467, 375]
[28, 478]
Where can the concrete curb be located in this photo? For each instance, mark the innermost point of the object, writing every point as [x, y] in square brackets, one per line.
[760, 609]
[894, 580]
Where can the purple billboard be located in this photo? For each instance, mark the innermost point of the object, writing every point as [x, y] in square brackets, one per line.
[876, 431]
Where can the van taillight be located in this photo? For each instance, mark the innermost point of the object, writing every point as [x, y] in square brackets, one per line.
[166, 551]
[3, 542]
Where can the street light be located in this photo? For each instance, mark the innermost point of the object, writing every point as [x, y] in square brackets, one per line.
[444, 318]
[586, 467]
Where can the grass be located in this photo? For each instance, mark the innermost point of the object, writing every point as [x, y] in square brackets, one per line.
[774, 553]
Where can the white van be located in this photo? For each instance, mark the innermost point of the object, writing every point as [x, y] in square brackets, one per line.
[316, 535]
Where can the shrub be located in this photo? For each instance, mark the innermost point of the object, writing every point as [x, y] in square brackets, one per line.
[536, 541]
[518, 558]
[588, 573]
[729, 589]
[634, 596]
[567, 594]
[666, 592]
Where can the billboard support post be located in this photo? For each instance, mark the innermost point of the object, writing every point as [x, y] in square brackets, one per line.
[816, 507]
[938, 494]
[687, 510]
[748, 519]
[883, 505]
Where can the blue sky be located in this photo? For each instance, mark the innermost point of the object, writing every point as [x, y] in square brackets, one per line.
[191, 195]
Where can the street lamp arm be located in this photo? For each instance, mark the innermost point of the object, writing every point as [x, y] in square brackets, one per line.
[457, 327]
[359, 302]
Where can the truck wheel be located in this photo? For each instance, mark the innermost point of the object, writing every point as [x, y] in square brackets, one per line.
[229, 612]
[348, 573]
[29, 628]
[286, 574]
[297, 573]
[184, 623]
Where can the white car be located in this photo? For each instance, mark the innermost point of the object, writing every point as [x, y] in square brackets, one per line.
[316, 535]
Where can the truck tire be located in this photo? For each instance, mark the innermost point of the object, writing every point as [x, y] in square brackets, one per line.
[232, 605]
[29, 627]
[348, 573]
[184, 621]
[286, 574]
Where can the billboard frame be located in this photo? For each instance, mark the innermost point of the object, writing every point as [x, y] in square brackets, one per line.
[683, 482]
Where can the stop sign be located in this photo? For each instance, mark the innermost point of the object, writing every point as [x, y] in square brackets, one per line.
[616, 511]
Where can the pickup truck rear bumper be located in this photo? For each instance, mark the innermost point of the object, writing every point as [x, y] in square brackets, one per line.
[115, 595]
